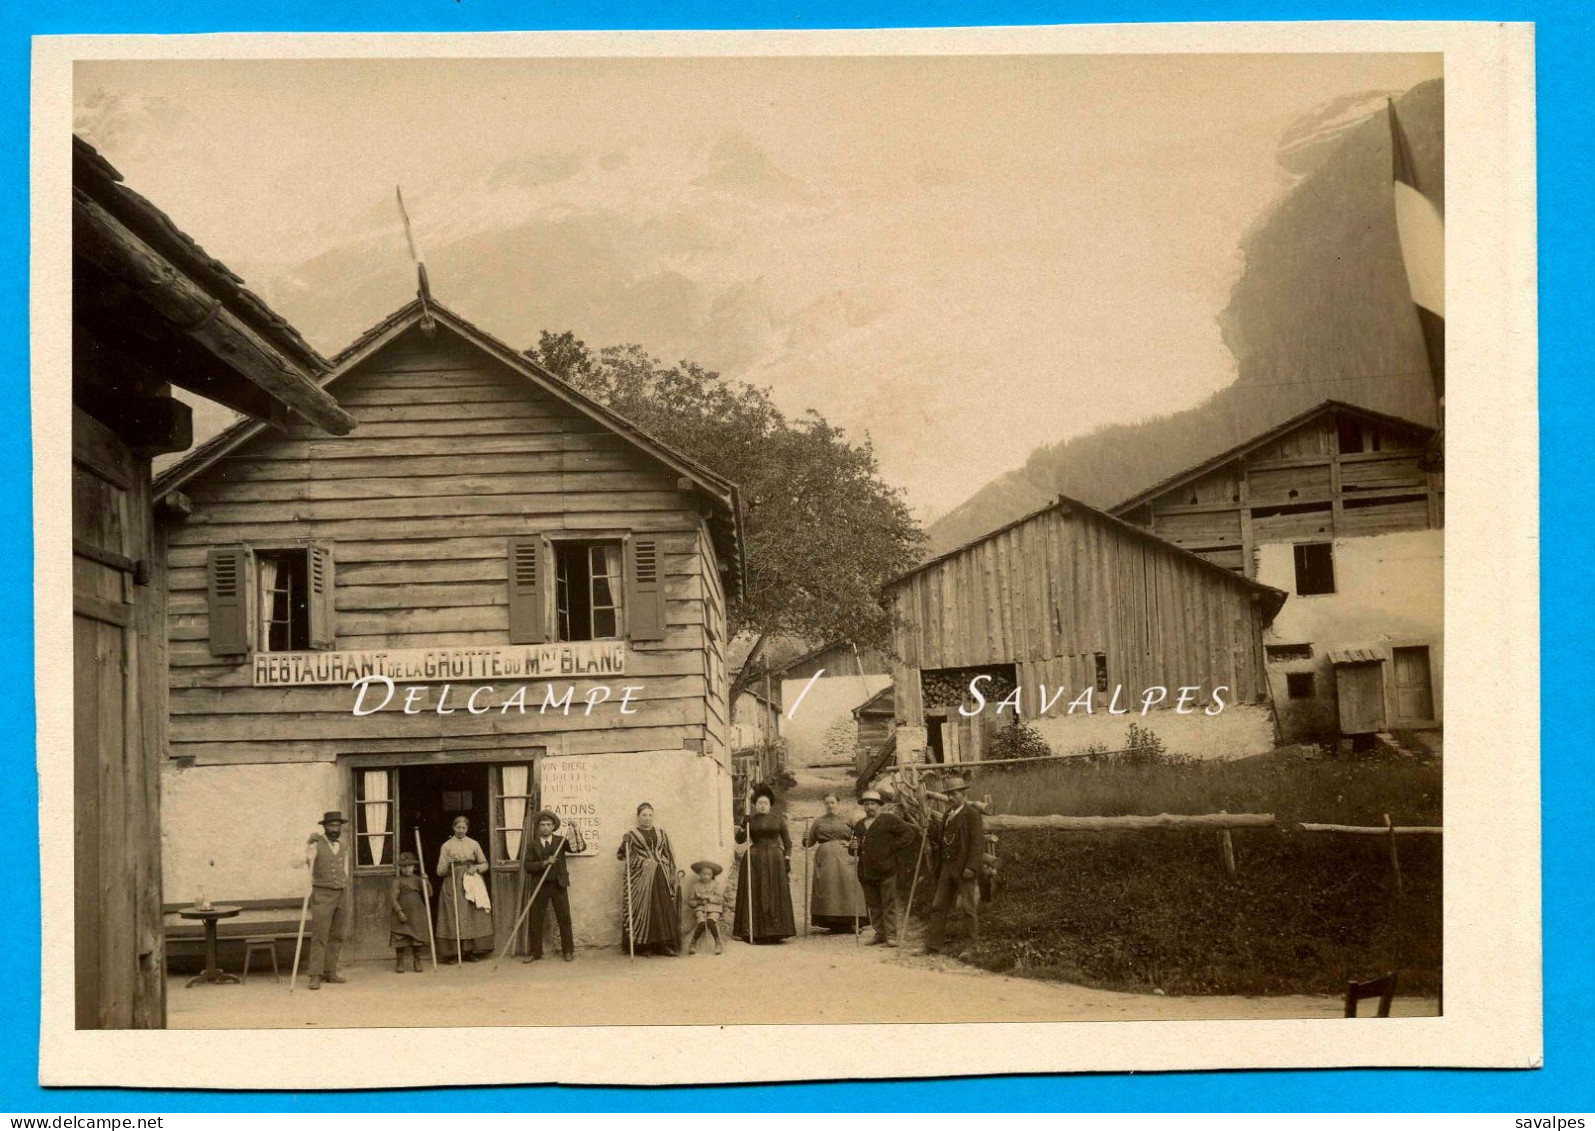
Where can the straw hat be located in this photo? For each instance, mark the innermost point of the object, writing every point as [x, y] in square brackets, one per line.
[541, 813]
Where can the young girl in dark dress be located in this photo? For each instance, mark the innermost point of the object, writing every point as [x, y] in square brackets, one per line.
[407, 912]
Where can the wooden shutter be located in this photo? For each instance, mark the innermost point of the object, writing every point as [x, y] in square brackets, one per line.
[319, 579]
[227, 591]
[645, 591]
[530, 566]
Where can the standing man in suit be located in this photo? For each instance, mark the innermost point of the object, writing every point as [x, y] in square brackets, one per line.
[963, 839]
[545, 860]
[327, 857]
[880, 840]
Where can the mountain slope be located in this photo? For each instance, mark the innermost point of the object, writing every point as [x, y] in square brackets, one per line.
[1320, 310]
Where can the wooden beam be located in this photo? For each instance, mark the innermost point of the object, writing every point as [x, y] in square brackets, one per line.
[1337, 506]
[101, 239]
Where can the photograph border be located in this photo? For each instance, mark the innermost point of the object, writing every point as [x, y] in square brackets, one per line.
[1492, 816]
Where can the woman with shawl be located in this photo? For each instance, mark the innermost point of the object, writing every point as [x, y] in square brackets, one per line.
[766, 863]
[465, 913]
[650, 910]
[837, 902]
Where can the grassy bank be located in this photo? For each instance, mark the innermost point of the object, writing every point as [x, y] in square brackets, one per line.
[1305, 913]
[1293, 788]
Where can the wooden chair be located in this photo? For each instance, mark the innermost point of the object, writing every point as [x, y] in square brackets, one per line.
[267, 943]
[1382, 988]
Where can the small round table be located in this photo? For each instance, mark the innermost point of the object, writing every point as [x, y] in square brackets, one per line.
[212, 972]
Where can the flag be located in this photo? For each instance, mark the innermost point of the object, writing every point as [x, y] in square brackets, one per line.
[1421, 231]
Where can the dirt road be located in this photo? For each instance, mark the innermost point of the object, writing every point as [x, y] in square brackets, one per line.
[819, 979]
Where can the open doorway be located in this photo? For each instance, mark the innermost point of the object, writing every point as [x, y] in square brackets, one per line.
[430, 797]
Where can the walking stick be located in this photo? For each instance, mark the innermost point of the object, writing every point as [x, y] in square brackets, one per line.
[426, 898]
[631, 922]
[918, 857]
[858, 939]
[456, 891]
[808, 866]
[299, 939]
[681, 883]
[747, 860]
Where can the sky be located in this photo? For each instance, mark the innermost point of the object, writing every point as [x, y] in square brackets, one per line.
[961, 257]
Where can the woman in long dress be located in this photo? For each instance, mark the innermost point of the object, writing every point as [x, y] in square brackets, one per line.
[461, 914]
[650, 909]
[836, 902]
[766, 863]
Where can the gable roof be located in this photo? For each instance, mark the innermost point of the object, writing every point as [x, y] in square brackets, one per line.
[726, 523]
[1274, 599]
[1246, 447]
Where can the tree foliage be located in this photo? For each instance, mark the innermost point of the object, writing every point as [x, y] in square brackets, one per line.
[823, 529]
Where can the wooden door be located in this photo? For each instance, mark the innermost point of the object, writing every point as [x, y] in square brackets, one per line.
[118, 713]
[1360, 689]
[1414, 691]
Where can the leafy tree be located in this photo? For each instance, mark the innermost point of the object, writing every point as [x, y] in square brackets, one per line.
[823, 530]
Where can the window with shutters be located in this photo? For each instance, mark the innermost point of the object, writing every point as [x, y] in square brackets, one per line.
[270, 599]
[588, 591]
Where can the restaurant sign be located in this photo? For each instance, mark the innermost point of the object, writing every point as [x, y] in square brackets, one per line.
[573, 660]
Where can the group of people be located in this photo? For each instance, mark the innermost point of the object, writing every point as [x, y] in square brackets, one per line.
[856, 878]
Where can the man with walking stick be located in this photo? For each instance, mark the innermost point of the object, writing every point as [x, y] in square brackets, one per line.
[545, 859]
[327, 857]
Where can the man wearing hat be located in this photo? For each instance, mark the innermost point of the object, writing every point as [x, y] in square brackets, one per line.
[880, 840]
[327, 857]
[963, 839]
[544, 859]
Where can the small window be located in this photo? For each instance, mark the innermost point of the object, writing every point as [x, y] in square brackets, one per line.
[1350, 430]
[587, 589]
[1315, 568]
[1280, 653]
[1299, 685]
[1102, 672]
[284, 621]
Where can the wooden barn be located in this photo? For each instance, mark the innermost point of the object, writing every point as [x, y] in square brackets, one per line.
[544, 585]
[1341, 507]
[1087, 618]
[150, 310]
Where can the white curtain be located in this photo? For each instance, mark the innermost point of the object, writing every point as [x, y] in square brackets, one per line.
[376, 814]
[513, 780]
[267, 598]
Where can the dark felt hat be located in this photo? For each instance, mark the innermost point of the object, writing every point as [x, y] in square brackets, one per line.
[333, 817]
[764, 791]
[709, 864]
[540, 814]
[408, 858]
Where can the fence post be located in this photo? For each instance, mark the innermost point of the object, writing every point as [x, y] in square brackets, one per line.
[1226, 847]
[1395, 860]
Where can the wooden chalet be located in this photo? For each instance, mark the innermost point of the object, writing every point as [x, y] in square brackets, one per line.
[150, 311]
[488, 532]
[1341, 507]
[1070, 600]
